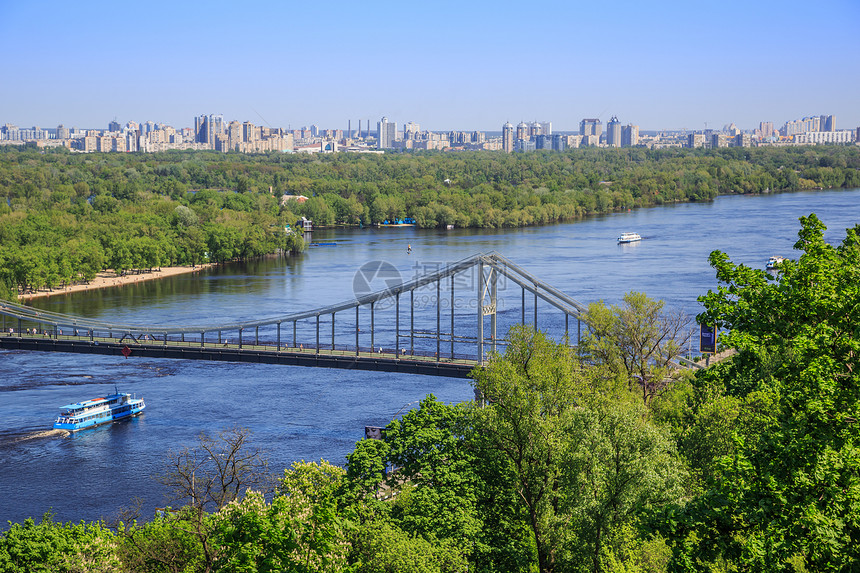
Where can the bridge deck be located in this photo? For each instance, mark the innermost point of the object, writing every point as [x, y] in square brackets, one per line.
[257, 354]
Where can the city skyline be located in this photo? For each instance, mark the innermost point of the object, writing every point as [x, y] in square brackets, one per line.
[663, 66]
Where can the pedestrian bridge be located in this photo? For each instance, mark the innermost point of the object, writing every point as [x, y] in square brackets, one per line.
[441, 323]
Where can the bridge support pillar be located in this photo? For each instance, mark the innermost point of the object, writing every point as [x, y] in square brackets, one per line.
[411, 322]
[486, 286]
[480, 305]
[397, 326]
[493, 288]
[452, 317]
[438, 319]
[356, 329]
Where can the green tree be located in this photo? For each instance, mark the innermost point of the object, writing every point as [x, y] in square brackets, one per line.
[789, 491]
[50, 547]
[258, 537]
[167, 543]
[639, 340]
[380, 547]
[430, 450]
[580, 466]
[217, 471]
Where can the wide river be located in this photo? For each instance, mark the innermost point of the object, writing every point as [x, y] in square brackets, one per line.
[300, 413]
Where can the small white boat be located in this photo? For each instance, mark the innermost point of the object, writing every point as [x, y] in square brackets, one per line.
[773, 262]
[629, 238]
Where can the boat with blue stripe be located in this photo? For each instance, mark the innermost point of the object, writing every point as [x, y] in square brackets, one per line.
[98, 411]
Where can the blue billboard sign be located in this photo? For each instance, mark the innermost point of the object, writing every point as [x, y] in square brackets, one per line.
[708, 339]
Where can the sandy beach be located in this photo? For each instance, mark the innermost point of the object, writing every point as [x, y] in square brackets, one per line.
[109, 278]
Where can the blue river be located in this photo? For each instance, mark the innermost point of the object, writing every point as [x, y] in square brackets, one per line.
[299, 413]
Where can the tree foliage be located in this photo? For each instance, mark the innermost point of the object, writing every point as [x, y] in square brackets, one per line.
[638, 341]
[789, 492]
[581, 466]
[50, 547]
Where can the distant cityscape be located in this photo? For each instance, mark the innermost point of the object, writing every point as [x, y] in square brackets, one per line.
[212, 132]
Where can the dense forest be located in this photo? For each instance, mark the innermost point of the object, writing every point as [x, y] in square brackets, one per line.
[65, 216]
[600, 458]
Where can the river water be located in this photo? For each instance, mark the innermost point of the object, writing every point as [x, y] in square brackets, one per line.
[300, 413]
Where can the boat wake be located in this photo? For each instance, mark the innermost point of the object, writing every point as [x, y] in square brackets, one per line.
[42, 434]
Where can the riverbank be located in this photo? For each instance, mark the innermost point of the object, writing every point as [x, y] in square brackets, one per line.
[107, 279]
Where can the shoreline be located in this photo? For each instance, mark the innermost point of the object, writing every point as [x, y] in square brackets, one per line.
[107, 279]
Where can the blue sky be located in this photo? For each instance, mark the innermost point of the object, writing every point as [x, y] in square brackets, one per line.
[463, 65]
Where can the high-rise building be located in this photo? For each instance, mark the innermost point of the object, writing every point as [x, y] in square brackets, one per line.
[114, 126]
[199, 129]
[249, 132]
[217, 122]
[62, 132]
[742, 140]
[719, 140]
[695, 140]
[630, 135]
[766, 128]
[546, 127]
[613, 132]
[386, 133]
[590, 127]
[524, 145]
[234, 134]
[507, 137]
[207, 128]
[827, 123]
[522, 130]
[411, 130]
[559, 142]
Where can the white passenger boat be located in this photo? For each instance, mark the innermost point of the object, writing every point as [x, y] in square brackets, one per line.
[773, 262]
[91, 413]
[629, 238]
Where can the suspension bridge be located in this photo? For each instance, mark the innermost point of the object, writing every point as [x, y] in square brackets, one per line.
[422, 326]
